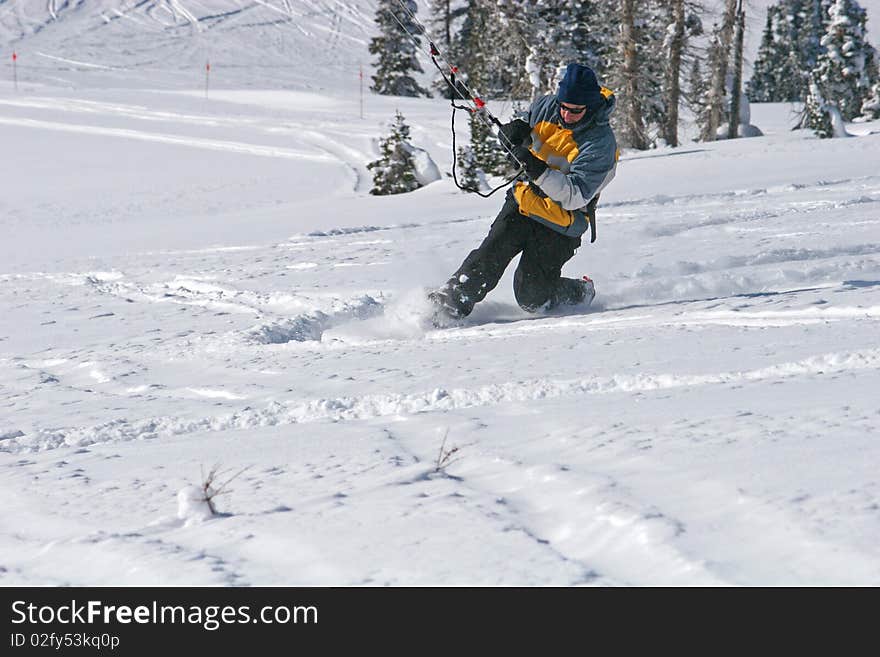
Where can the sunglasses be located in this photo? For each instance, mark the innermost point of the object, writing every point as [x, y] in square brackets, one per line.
[573, 110]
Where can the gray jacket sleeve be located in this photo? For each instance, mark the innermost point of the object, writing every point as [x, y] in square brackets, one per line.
[592, 169]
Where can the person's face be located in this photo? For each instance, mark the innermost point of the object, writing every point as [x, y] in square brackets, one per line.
[571, 113]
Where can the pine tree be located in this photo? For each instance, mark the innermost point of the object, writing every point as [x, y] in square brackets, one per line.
[810, 30]
[790, 48]
[487, 152]
[394, 171]
[396, 51]
[773, 56]
[468, 174]
[841, 73]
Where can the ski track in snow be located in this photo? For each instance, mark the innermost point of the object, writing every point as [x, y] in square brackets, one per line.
[328, 148]
[209, 144]
[437, 400]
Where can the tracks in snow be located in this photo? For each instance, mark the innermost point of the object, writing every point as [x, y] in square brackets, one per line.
[328, 146]
[342, 409]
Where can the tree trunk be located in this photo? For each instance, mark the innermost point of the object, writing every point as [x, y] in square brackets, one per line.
[719, 71]
[736, 87]
[633, 130]
[447, 25]
[673, 74]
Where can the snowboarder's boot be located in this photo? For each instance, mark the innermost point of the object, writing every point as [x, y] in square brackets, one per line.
[573, 292]
[589, 290]
[443, 313]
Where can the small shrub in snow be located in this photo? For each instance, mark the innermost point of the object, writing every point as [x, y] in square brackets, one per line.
[395, 171]
[445, 456]
[197, 503]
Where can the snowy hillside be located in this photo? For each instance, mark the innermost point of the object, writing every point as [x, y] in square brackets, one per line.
[252, 43]
[189, 282]
[161, 43]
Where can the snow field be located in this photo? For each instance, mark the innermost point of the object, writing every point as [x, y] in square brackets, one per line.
[188, 283]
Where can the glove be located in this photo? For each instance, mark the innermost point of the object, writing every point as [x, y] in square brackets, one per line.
[534, 166]
[514, 133]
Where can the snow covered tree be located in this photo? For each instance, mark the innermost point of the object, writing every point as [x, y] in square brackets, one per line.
[396, 51]
[809, 22]
[394, 171]
[508, 49]
[468, 171]
[545, 47]
[487, 152]
[790, 49]
[842, 70]
[560, 32]
[582, 38]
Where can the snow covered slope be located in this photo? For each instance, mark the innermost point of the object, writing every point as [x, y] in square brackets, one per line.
[187, 282]
[253, 43]
[256, 43]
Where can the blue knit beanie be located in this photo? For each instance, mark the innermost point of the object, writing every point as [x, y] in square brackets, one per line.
[579, 86]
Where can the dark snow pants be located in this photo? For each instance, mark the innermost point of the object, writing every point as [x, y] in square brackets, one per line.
[537, 282]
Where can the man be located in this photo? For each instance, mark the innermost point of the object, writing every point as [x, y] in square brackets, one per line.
[569, 155]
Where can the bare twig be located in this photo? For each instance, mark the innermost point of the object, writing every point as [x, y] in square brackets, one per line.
[210, 490]
[444, 456]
